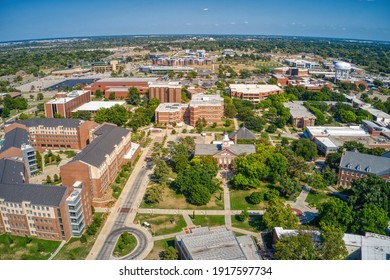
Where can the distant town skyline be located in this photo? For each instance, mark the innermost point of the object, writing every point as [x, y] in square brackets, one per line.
[355, 19]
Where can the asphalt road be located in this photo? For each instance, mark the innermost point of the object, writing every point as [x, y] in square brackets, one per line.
[119, 224]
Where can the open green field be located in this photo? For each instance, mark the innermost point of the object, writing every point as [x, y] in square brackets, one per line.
[159, 247]
[75, 249]
[172, 200]
[316, 197]
[162, 224]
[238, 200]
[209, 220]
[254, 223]
[26, 248]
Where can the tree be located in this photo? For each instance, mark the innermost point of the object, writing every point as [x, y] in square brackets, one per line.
[371, 219]
[192, 75]
[133, 96]
[56, 178]
[333, 160]
[295, 247]
[284, 141]
[256, 197]
[370, 190]
[82, 115]
[279, 215]
[23, 116]
[346, 116]
[111, 96]
[5, 113]
[332, 245]
[245, 73]
[39, 96]
[277, 164]
[58, 116]
[305, 149]
[48, 179]
[153, 194]
[272, 81]
[170, 254]
[243, 216]
[161, 172]
[230, 110]
[316, 181]
[335, 213]
[98, 93]
[83, 239]
[116, 115]
[288, 187]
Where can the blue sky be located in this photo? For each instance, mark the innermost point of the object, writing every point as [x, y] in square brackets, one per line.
[34, 19]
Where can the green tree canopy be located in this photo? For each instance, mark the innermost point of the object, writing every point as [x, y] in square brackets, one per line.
[280, 215]
[295, 247]
[305, 149]
[335, 213]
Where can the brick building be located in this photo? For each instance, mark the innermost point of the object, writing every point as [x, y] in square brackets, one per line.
[253, 92]
[65, 103]
[97, 165]
[210, 107]
[166, 92]
[355, 165]
[46, 212]
[142, 84]
[57, 134]
[17, 145]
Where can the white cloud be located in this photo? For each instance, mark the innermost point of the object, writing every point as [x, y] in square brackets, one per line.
[246, 22]
[217, 24]
[188, 23]
[205, 9]
[233, 23]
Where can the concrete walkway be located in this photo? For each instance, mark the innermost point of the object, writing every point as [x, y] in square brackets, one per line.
[235, 124]
[226, 198]
[63, 242]
[197, 212]
[166, 236]
[188, 220]
[308, 213]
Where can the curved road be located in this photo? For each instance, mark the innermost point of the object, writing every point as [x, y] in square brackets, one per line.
[119, 227]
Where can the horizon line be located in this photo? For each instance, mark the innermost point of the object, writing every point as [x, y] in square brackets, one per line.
[186, 34]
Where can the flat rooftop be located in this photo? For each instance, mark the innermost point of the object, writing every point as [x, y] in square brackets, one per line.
[253, 88]
[126, 80]
[69, 96]
[297, 110]
[326, 131]
[378, 113]
[327, 142]
[367, 141]
[166, 84]
[117, 89]
[206, 100]
[168, 107]
[96, 105]
[217, 244]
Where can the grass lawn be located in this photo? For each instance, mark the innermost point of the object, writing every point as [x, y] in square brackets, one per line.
[316, 197]
[162, 224]
[172, 200]
[74, 249]
[238, 200]
[209, 220]
[159, 247]
[25, 248]
[254, 223]
[125, 245]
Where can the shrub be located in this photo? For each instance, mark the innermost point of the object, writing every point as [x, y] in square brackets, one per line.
[83, 239]
[256, 197]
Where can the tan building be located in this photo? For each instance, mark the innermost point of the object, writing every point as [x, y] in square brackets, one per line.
[46, 212]
[300, 116]
[166, 92]
[253, 92]
[99, 163]
[209, 107]
[56, 134]
[65, 103]
[71, 72]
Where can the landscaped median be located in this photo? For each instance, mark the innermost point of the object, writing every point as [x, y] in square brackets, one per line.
[125, 245]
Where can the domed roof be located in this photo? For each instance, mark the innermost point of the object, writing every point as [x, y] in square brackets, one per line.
[342, 65]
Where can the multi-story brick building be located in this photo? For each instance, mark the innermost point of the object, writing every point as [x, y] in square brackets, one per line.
[56, 134]
[355, 165]
[166, 92]
[209, 107]
[66, 102]
[42, 211]
[97, 165]
[17, 144]
[142, 84]
[253, 92]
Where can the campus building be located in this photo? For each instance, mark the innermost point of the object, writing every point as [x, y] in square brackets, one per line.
[300, 116]
[207, 107]
[166, 92]
[66, 102]
[224, 151]
[253, 92]
[16, 145]
[355, 165]
[42, 211]
[142, 84]
[93, 106]
[98, 164]
[219, 243]
[55, 134]
[108, 66]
